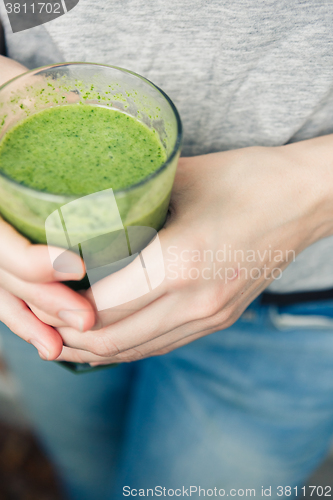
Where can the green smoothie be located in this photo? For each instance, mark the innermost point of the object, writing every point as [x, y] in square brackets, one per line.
[72, 151]
[78, 150]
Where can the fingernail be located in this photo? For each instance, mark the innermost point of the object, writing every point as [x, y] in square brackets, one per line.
[42, 350]
[72, 319]
[68, 262]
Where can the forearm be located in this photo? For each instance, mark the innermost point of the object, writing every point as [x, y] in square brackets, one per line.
[9, 69]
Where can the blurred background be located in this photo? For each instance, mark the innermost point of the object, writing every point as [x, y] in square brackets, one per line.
[25, 472]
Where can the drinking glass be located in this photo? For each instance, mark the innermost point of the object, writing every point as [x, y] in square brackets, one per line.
[98, 222]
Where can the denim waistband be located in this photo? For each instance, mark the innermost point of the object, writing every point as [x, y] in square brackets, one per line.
[286, 299]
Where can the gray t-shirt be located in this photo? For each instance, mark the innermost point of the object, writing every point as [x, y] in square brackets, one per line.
[241, 73]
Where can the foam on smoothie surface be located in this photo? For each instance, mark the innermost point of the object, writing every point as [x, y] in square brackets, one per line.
[80, 149]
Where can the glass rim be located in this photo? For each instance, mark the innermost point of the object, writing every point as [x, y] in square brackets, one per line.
[53, 197]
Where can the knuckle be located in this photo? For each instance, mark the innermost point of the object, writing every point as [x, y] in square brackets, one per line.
[219, 321]
[123, 358]
[208, 305]
[97, 349]
[102, 346]
[78, 357]
[225, 318]
[130, 355]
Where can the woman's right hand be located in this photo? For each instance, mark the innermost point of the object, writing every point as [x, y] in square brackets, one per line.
[31, 297]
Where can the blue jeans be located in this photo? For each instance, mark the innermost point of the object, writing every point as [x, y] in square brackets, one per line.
[244, 408]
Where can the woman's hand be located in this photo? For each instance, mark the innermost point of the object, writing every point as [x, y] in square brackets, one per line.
[238, 218]
[29, 284]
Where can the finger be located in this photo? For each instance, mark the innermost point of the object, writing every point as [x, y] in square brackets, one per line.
[161, 345]
[32, 262]
[133, 287]
[79, 319]
[55, 299]
[163, 315]
[44, 317]
[157, 347]
[164, 345]
[80, 356]
[18, 317]
[179, 337]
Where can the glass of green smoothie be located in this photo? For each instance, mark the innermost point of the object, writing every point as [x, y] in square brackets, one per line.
[73, 130]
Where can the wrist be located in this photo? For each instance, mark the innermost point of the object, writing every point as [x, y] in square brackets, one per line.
[315, 159]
